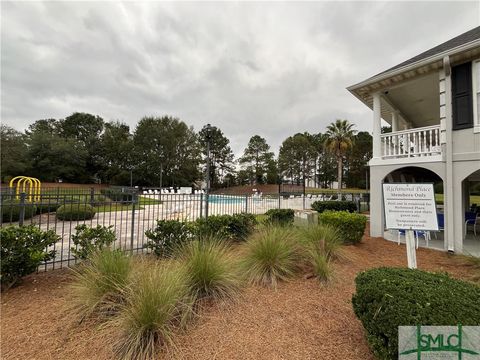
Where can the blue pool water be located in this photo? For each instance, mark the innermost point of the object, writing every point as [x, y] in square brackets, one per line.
[225, 199]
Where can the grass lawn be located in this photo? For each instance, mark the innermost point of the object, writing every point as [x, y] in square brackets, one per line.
[109, 207]
[334, 191]
[474, 199]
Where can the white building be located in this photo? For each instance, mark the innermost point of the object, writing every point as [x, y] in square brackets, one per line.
[432, 102]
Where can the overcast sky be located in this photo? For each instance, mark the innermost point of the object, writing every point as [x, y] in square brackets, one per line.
[271, 69]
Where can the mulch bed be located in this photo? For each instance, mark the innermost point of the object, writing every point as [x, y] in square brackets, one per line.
[302, 319]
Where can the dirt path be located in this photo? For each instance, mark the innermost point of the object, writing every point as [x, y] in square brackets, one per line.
[301, 320]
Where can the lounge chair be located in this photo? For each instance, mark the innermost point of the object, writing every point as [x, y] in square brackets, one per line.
[417, 233]
[472, 218]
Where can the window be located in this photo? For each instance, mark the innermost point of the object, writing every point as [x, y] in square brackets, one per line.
[476, 94]
[462, 96]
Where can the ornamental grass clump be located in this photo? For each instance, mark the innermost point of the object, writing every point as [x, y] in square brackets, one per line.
[157, 305]
[271, 255]
[322, 245]
[210, 269]
[99, 284]
[323, 239]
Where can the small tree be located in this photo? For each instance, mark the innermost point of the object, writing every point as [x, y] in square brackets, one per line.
[339, 140]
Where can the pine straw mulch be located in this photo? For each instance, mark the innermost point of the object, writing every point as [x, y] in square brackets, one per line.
[302, 319]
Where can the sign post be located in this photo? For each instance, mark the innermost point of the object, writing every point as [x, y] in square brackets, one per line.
[410, 207]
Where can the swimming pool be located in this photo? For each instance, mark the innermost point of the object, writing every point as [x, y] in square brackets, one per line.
[225, 199]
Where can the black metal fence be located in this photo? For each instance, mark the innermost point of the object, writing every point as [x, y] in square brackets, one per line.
[131, 212]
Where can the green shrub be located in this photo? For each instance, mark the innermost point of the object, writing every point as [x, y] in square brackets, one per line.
[45, 207]
[90, 239]
[236, 227]
[99, 284]
[322, 244]
[210, 269]
[351, 226]
[389, 297]
[48, 203]
[11, 210]
[271, 255]
[75, 212]
[282, 217]
[157, 304]
[241, 225]
[23, 248]
[118, 195]
[321, 206]
[168, 234]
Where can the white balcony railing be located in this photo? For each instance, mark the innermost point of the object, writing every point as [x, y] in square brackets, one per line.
[417, 142]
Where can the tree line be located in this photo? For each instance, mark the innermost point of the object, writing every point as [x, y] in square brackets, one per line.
[84, 148]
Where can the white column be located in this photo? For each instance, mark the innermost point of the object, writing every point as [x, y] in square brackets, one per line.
[448, 183]
[394, 121]
[377, 125]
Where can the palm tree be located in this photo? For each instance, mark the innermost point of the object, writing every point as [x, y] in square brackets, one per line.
[339, 140]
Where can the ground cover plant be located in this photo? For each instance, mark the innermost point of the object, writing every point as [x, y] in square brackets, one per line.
[351, 226]
[210, 269]
[99, 284]
[87, 240]
[23, 248]
[271, 255]
[389, 297]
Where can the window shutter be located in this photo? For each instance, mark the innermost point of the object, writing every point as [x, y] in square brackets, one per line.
[462, 96]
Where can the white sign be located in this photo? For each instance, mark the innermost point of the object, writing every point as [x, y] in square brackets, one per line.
[410, 206]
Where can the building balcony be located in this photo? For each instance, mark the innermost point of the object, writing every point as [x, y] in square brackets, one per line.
[411, 146]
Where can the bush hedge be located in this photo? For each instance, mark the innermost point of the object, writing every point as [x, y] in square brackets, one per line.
[351, 226]
[235, 227]
[389, 297]
[321, 206]
[282, 217]
[167, 235]
[48, 204]
[75, 212]
[88, 240]
[11, 210]
[22, 250]
[118, 195]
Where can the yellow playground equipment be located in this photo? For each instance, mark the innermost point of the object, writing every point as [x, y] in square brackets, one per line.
[29, 185]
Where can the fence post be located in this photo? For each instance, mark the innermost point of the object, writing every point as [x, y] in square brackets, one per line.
[92, 196]
[206, 204]
[246, 204]
[201, 205]
[132, 230]
[21, 216]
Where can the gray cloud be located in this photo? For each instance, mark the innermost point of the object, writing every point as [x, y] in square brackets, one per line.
[271, 69]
